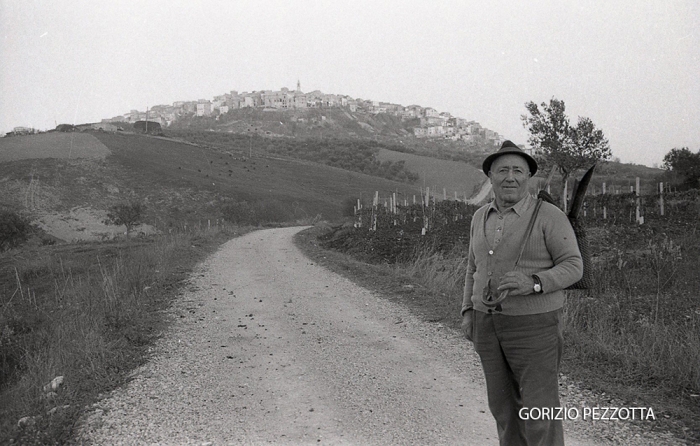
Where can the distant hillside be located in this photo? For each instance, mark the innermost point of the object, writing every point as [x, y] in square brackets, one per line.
[180, 183]
[355, 155]
[619, 175]
[336, 123]
[439, 174]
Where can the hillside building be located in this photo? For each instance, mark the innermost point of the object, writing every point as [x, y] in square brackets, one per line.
[203, 108]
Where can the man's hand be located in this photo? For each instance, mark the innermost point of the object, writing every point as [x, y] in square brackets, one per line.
[517, 282]
[468, 325]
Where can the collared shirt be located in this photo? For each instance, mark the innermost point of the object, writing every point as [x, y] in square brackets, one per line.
[498, 222]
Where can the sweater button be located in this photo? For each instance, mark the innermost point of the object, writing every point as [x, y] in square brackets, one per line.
[491, 252]
[490, 273]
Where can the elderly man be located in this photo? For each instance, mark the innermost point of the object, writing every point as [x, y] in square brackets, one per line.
[520, 340]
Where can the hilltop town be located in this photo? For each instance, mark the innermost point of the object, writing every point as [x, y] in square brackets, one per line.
[422, 122]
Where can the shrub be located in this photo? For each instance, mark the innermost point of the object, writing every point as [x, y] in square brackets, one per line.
[238, 213]
[14, 229]
[256, 213]
[66, 128]
[270, 211]
[149, 127]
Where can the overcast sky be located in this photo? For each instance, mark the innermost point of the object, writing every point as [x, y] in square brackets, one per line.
[632, 66]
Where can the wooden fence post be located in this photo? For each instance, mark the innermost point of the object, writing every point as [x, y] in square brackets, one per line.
[605, 209]
[638, 216]
[661, 198]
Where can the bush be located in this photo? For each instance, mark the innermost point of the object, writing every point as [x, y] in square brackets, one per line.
[238, 213]
[256, 213]
[14, 229]
[149, 127]
[66, 128]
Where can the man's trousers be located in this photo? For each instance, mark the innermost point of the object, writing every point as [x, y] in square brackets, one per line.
[520, 356]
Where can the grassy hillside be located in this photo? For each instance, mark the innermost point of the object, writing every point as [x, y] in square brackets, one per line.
[439, 173]
[180, 183]
[223, 176]
[354, 155]
[51, 145]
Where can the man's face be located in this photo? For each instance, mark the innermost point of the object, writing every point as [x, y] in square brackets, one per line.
[509, 176]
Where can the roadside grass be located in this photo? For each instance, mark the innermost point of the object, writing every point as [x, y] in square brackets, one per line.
[636, 336]
[87, 312]
[637, 333]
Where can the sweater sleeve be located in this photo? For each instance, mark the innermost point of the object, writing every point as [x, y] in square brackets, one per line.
[471, 268]
[562, 246]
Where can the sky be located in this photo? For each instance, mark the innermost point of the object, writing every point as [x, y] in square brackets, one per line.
[632, 66]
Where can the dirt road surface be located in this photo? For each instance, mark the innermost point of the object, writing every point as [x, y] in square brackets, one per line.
[269, 348]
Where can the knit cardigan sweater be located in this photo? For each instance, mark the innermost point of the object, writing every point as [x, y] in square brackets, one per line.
[551, 252]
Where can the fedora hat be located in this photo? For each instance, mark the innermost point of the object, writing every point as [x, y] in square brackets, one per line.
[508, 148]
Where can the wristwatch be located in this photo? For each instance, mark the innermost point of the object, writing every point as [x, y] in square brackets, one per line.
[538, 284]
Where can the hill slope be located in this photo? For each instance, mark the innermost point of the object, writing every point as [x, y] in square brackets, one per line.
[51, 145]
[454, 176]
[180, 183]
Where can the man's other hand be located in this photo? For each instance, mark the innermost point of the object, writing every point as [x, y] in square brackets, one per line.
[468, 325]
[517, 283]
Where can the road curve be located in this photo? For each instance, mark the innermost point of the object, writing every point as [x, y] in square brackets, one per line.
[268, 348]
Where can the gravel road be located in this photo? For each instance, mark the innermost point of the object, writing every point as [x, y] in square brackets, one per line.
[268, 348]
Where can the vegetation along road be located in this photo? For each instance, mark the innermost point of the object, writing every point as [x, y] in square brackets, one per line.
[269, 347]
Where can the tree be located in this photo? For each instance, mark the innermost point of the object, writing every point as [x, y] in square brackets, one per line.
[127, 214]
[556, 142]
[685, 165]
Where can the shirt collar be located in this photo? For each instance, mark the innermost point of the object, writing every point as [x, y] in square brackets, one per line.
[519, 207]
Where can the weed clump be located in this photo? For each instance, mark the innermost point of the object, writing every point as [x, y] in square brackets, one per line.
[14, 229]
